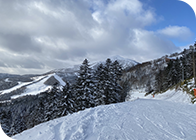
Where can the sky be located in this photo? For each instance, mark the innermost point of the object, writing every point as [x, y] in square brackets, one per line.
[37, 36]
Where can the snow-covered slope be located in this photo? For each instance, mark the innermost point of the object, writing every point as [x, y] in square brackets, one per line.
[34, 87]
[125, 62]
[138, 120]
[170, 95]
[22, 84]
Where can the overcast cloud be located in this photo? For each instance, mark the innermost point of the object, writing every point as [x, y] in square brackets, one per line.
[40, 35]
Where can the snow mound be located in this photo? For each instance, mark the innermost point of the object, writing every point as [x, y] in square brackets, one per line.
[137, 120]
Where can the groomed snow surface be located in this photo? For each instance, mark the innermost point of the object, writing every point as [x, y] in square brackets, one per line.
[142, 119]
[170, 95]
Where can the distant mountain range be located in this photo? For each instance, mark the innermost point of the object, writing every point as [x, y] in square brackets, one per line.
[14, 86]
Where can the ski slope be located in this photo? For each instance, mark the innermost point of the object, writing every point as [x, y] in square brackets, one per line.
[34, 89]
[36, 86]
[137, 120]
[170, 95]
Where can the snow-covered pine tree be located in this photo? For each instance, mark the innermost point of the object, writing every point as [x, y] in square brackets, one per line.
[53, 103]
[117, 70]
[84, 87]
[100, 85]
[117, 73]
[111, 90]
[68, 100]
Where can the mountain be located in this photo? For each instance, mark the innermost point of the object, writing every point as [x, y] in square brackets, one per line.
[137, 120]
[20, 85]
[143, 75]
[125, 63]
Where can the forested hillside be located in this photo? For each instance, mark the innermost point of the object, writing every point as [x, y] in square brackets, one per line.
[160, 74]
[91, 88]
[179, 68]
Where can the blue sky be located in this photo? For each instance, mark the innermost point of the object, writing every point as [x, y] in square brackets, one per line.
[38, 35]
[173, 12]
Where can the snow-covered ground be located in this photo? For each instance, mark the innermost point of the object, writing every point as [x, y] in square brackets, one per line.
[141, 119]
[170, 95]
[39, 86]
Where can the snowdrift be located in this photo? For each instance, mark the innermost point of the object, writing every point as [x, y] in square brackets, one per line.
[137, 120]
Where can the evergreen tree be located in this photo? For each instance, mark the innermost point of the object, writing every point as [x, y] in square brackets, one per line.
[159, 81]
[84, 88]
[111, 88]
[5, 121]
[53, 103]
[188, 65]
[69, 98]
[100, 85]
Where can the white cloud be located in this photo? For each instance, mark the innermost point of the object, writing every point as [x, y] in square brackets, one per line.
[177, 32]
[46, 35]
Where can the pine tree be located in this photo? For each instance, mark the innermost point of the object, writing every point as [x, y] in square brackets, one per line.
[159, 81]
[53, 103]
[112, 89]
[117, 73]
[69, 97]
[5, 121]
[84, 87]
[100, 85]
[188, 65]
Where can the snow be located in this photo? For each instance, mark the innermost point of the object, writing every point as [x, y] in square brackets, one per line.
[7, 80]
[34, 88]
[39, 87]
[59, 79]
[169, 95]
[125, 62]
[137, 120]
[20, 84]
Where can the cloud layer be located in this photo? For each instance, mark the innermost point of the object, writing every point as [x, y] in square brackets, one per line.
[40, 35]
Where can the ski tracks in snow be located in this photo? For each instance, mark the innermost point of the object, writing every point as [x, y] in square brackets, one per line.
[137, 120]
